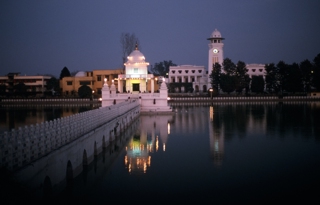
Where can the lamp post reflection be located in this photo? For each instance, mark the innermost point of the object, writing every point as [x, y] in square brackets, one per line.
[211, 91]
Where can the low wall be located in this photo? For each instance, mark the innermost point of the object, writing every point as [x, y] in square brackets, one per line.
[24, 145]
[256, 98]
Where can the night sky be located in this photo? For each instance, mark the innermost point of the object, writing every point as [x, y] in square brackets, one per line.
[43, 36]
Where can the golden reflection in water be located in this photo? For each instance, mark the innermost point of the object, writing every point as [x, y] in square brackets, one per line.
[152, 131]
[157, 144]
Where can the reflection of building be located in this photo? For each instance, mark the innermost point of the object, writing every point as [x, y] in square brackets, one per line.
[216, 137]
[33, 83]
[94, 79]
[153, 130]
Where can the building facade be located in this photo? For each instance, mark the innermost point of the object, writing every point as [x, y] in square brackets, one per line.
[36, 84]
[94, 79]
[181, 78]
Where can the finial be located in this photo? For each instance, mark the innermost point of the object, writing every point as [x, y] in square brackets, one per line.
[136, 45]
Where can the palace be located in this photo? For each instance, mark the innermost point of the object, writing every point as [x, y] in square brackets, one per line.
[189, 78]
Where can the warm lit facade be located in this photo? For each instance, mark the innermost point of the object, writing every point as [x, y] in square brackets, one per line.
[136, 78]
[94, 79]
[36, 83]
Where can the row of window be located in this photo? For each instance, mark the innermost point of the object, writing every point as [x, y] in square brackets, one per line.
[81, 82]
[186, 71]
[254, 70]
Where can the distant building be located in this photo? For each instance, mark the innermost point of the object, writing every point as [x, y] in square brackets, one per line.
[94, 79]
[36, 84]
[197, 77]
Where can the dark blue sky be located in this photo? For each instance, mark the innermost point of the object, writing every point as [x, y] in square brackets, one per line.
[43, 36]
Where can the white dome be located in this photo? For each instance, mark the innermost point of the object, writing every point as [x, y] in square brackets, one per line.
[136, 57]
[81, 74]
[216, 34]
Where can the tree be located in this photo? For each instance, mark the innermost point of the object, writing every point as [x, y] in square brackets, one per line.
[228, 83]
[64, 73]
[53, 84]
[294, 81]
[228, 66]
[271, 78]
[306, 69]
[3, 88]
[161, 68]
[215, 77]
[282, 74]
[243, 79]
[20, 89]
[316, 73]
[257, 84]
[85, 92]
[128, 42]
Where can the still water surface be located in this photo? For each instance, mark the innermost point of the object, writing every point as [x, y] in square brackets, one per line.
[220, 153]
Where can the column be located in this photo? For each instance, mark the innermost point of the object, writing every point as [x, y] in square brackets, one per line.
[152, 85]
[120, 86]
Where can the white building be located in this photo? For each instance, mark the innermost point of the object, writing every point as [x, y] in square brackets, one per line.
[139, 85]
[183, 76]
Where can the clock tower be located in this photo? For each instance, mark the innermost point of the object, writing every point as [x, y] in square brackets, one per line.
[215, 50]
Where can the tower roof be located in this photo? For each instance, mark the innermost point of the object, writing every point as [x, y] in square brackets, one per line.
[215, 35]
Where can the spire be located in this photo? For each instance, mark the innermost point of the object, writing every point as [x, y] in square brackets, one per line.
[136, 46]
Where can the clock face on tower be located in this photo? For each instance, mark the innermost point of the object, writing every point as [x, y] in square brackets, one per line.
[215, 50]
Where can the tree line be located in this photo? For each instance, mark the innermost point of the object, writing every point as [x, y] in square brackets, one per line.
[279, 78]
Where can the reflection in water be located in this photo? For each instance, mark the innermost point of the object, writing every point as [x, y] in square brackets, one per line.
[203, 154]
[146, 141]
[13, 117]
[216, 137]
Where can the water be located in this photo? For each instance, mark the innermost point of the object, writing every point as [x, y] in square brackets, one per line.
[13, 117]
[222, 154]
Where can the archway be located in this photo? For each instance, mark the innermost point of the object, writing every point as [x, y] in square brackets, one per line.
[197, 88]
[204, 88]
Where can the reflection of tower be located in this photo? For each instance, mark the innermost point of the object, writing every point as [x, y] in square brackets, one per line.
[216, 137]
[146, 141]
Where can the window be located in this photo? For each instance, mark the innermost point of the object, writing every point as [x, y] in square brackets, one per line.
[135, 70]
[199, 71]
[179, 71]
[69, 82]
[173, 71]
[193, 71]
[260, 70]
[253, 70]
[98, 77]
[84, 82]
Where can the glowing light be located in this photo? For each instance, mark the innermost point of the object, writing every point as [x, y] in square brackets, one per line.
[164, 147]
[168, 128]
[157, 144]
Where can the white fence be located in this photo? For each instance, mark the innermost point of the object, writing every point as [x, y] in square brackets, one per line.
[24, 145]
[253, 98]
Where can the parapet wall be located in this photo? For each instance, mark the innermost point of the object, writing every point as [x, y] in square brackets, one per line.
[24, 145]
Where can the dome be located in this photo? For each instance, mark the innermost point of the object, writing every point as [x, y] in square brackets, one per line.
[136, 57]
[216, 34]
[81, 74]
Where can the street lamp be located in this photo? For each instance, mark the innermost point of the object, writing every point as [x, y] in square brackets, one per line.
[211, 90]
[92, 94]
